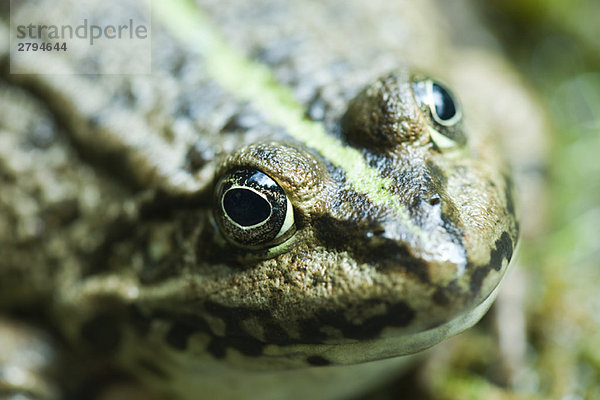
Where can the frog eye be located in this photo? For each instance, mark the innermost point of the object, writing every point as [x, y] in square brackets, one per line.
[443, 111]
[252, 210]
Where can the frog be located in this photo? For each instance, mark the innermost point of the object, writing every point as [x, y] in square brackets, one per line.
[297, 201]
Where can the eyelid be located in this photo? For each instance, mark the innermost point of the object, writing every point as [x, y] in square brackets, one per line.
[441, 141]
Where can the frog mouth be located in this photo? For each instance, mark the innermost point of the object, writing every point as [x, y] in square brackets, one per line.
[402, 344]
[246, 353]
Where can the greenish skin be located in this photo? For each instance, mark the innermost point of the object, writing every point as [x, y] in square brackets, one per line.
[119, 244]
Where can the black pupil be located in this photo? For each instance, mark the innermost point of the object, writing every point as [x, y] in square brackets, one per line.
[246, 207]
[444, 104]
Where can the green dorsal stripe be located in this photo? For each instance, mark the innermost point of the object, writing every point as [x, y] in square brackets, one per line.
[255, 83]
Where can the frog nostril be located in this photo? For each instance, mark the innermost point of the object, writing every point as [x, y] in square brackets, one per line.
[375, 233]
[435, 200]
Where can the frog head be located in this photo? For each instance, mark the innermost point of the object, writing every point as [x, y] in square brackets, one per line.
[389, 240]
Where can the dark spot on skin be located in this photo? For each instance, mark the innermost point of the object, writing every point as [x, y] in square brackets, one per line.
[317, 108]
[102, 332]
[317, 280]
[140, 323]
[217, 349]
[477, 278]
[61, 214]
[397, 315]
[179, 334]
[503, 250]
[153, 368]
[118, 231]
[246, 345]
[384, 253]
[318, 361]
[237, 338]
[339, 232]
[274, 333]
[123, 229]
[242, 121]
[440, 298]
[391, 255]
[183, 327]
[197, 156]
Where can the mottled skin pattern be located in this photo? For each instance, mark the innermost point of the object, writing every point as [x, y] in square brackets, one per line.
[115, 246]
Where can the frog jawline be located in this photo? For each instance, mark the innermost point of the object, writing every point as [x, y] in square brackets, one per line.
[394, 346]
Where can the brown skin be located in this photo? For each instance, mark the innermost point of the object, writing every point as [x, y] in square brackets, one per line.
[351, 270]
[142, 264]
